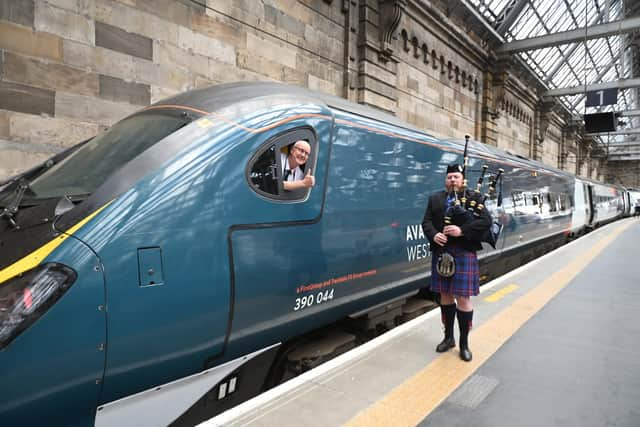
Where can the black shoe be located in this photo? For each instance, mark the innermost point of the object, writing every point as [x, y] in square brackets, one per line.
[445, 345]
[465, 354]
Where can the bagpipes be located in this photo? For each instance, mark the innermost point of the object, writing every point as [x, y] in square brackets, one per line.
[470, 203]
[467, 206]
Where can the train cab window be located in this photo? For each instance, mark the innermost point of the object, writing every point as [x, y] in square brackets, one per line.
[88, 167]
[287, 157]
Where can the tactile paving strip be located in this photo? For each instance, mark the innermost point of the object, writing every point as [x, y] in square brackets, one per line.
[473, 392]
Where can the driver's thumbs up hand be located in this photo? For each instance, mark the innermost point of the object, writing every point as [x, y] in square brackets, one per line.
[309, 180]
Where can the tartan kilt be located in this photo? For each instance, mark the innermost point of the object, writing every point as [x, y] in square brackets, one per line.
[466, 280]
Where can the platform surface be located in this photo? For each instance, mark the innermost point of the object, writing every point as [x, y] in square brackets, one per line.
[555, 343]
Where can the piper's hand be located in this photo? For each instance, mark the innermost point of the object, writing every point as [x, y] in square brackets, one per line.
[440, 239]
[309, 180]
[452, 230]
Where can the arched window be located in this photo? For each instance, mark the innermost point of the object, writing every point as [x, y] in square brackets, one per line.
[267, 169]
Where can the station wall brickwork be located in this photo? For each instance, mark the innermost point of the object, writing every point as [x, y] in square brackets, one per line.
[71, 68]
[626, 173]
[552, 143]
[515, 127]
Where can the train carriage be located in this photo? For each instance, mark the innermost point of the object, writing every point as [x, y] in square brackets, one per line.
[174, 273]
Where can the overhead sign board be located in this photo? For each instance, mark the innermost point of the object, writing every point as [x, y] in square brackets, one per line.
[600, 122]
[597, 98]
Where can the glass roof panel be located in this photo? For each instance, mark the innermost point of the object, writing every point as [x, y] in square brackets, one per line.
[565, 76]
[498, 5]
[578, 63]
[569, 65]
[489, 8]
[542, 7]
[526, 23]
[557, 20]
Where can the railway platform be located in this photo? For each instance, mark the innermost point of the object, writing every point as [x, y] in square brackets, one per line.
[555, 343]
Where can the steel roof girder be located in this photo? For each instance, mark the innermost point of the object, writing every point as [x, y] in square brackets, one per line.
[618, 132]
[624, 157]
[577, 90]
[600, 74]
[629, 113]
[511, 15]
[565, 37]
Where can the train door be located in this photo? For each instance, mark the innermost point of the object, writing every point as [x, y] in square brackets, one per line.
[627, 202]
[274, 244]
[591, 203]
[581, 209]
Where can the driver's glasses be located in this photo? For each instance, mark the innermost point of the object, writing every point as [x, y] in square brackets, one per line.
[302, 151]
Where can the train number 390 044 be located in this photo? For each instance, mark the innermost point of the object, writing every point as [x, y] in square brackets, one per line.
[313, 299]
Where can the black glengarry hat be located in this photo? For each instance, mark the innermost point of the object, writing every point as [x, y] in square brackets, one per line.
[455, 168]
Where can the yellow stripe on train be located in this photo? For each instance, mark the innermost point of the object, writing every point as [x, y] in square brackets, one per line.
[36, 257]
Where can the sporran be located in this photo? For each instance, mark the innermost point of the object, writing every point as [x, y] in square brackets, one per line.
[446, 265]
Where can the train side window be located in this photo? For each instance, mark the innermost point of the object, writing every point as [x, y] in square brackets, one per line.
[518, 199]
[552, 200]
[266, 169]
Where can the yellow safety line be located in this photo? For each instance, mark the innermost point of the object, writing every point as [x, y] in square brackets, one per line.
[498, 295]
[409, 403]
[34, 258]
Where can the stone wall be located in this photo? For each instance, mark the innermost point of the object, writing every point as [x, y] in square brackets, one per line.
[439, 75]
[71, 68]
[571, 162]
[514, 125]
[551, 145]
[583, 169]
[625, 173]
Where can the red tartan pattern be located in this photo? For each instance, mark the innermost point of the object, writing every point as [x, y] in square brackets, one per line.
[465, 282]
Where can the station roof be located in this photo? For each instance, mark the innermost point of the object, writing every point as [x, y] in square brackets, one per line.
[582, 61]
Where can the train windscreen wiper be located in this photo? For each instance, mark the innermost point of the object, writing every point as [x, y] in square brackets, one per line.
[68, 202]
[13, 207]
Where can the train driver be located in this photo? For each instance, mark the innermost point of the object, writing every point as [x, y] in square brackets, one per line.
[293, 177]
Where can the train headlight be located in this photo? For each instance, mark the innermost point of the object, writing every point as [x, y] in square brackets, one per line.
[24, 298]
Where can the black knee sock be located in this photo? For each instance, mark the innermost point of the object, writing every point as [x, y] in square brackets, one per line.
[465, 320]
[448, 313]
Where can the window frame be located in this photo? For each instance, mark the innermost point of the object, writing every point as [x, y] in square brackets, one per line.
[281, 140]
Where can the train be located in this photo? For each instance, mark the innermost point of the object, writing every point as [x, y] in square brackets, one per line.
[159, 273]
[634, 201]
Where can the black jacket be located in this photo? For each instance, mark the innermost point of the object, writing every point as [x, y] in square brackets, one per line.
[433, 223]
